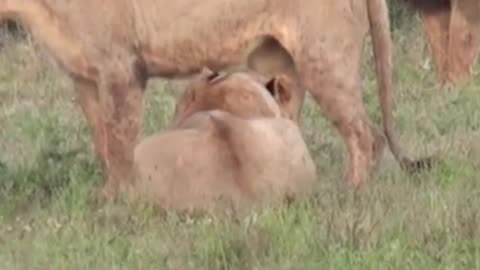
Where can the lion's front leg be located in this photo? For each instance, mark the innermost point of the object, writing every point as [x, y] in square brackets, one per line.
[122, 104]
[114, 114]
[88, 98]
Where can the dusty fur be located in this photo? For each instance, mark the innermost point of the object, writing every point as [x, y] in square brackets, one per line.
[110, 48]
[219, 155]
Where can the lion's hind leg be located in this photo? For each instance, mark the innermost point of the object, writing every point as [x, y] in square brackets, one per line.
[337, 91]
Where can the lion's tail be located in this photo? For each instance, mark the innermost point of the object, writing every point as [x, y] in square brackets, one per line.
[382, 49]
[47, 28]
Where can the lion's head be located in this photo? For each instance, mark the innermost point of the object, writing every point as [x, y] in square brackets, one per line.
[243, 94]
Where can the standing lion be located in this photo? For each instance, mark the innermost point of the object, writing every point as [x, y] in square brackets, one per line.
[111, 47]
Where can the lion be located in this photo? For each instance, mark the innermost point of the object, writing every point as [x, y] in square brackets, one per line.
[232, 143]
[111, 48]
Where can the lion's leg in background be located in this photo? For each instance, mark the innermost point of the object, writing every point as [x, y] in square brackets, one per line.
[453, 30]
[436, 17]
[464, 38]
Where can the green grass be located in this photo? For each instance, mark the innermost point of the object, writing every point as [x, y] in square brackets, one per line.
[427, 221]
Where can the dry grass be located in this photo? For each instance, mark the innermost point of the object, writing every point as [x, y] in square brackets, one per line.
[428, 221]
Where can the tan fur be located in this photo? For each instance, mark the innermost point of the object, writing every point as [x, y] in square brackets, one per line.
[111, 47]
[220, 154]
[243, 102]
[453, 31]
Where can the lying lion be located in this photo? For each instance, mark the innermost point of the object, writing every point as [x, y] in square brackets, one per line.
[229, 145]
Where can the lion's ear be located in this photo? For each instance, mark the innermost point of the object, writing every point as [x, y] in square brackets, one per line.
[280, 88]
[270, 85]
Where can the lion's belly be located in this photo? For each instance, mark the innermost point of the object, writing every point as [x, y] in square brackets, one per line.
[221, 33]
[184, 57]
[193, 34]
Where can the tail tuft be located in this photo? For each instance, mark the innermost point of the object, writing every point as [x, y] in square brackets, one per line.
[416, 166]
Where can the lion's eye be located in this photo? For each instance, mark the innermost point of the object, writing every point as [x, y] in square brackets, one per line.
[216, 77]
[212, 76]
